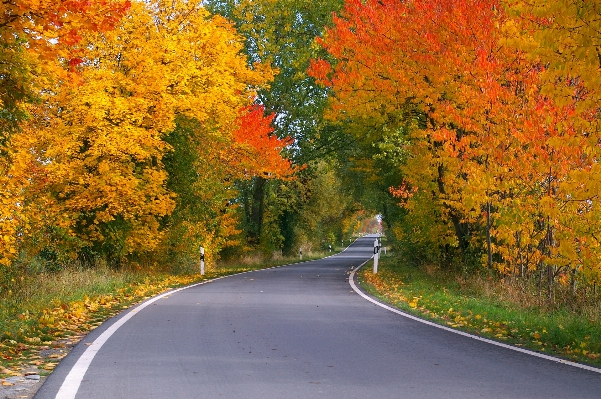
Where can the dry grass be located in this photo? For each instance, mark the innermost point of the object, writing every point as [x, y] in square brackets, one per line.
[70, 283]
[525, 294]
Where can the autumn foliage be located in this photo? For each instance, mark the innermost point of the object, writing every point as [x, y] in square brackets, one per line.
[258, 149]
[499, 105]
[104, 87]
[127, 127]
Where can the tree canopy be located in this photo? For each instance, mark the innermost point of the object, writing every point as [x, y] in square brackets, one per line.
[138, 130]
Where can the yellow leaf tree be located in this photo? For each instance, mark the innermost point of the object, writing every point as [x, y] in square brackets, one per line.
[37, 41]
[100, 144]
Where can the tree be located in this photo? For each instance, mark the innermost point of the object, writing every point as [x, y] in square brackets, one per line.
[562, 37]
[100, 146]
[281, 34]
[411, 64]
[205, 171]
[493, 157]
[37, 39]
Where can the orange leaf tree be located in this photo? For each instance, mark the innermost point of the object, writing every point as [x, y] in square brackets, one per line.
[495, 162]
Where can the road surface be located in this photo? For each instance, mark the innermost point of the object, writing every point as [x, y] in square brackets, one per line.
[297, 332]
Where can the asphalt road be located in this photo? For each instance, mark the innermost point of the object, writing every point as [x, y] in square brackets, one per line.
[300, 332]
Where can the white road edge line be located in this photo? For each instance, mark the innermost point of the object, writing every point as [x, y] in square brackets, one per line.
[488, 341]
[71, 384]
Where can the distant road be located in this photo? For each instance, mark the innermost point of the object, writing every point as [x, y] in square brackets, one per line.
[297, 332]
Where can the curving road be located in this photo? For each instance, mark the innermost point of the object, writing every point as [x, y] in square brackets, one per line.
[297, 332]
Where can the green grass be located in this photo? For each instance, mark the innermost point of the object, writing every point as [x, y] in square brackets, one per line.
[489, 307]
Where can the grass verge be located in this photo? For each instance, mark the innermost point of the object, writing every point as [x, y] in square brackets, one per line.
[49, 313]
[484, 307]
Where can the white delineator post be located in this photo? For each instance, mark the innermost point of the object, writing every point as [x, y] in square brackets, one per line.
[202, 261]
[376, 255]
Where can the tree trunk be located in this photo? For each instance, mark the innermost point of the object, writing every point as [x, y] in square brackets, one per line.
[550, 276]
[256, 211]
[518, 238]
[488, 239]
[461, 229]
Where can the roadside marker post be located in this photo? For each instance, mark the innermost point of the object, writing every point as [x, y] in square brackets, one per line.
[202, 261]
[300, 252]
[376, 255]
